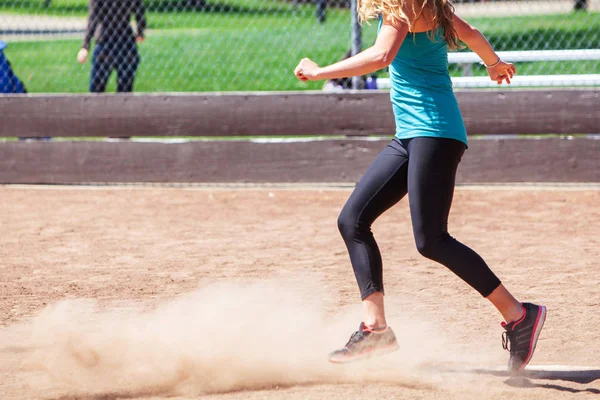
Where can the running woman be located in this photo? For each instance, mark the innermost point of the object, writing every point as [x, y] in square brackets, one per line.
[421, 161]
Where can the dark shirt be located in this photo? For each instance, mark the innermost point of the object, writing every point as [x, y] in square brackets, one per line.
[110, 20]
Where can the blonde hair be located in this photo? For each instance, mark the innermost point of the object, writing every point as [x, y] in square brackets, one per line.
[441, 11]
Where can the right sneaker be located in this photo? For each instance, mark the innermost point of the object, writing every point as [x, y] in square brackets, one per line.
[521, 336]
[365, 343]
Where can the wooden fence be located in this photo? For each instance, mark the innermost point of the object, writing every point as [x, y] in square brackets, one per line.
[516, 136]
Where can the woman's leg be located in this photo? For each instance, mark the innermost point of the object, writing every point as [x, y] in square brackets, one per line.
[431, 176]
[102, 64]
[127, 64]
[431, 180]
[383, 185]
[506, 304]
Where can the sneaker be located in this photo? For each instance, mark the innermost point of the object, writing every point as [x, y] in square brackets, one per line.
[365, 343]
[521, 336]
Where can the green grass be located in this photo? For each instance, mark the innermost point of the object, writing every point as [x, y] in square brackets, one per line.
[214, 58]
[80, 7]
[200, 51]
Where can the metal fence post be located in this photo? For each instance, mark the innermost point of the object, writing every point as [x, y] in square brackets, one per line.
[356, 38]
[580, 5]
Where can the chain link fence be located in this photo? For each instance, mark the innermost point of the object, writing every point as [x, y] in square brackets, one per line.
[248, 45]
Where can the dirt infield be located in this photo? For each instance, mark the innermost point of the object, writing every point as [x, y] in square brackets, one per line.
[239, 294]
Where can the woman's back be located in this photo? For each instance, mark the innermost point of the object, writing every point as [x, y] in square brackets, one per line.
[421, 94]
[422, 61]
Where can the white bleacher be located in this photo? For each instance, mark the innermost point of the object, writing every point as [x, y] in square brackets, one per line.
[467, 59]
[529, 55]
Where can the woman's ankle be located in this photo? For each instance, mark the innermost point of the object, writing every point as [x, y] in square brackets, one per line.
[373, 312]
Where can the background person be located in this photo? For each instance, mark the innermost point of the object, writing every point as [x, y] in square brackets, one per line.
[115, 47]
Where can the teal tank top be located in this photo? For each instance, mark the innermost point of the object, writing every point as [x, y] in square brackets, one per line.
[421, 89]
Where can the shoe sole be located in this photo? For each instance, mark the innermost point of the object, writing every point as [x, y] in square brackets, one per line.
[537, 328]
[367, 354]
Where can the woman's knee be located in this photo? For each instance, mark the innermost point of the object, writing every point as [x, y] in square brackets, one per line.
[347, 224]
[430, 245]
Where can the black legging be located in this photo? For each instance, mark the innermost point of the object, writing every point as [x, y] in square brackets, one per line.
[425, 168]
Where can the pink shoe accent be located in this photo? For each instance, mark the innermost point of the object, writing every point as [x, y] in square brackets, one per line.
[537, 328]
[503, 324]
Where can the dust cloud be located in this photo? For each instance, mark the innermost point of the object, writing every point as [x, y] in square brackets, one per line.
[220, 338]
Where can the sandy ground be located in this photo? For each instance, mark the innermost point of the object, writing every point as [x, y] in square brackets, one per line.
[240, 293]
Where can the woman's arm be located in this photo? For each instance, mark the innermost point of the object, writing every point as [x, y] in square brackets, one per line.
[469, 35]
[89, 33]
[376, 57]
[140, 18]
[92, 24]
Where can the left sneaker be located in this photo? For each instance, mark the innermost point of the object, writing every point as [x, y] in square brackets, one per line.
[521, 336]
[365, 343]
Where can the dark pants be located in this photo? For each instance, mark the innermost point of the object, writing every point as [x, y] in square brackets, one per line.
[321, 10]
[118, 54]
[425, 168]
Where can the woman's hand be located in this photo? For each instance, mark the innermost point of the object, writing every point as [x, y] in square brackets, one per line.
[139, 39]
[82, 56]
[307, 70]
[502, 71]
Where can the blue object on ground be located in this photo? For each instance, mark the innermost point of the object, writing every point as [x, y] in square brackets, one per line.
[9, 82]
